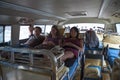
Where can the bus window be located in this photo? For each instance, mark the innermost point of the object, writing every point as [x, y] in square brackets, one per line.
[48, 29]
[1, 34]
[118, 28]
[24, 32]
[45, 28]
[7, 33]
[86, 26]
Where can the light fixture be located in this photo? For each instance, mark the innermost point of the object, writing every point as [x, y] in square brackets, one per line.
[24, 20]
[77, 13]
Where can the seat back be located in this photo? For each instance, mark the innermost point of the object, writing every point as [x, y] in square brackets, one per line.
[92, 66]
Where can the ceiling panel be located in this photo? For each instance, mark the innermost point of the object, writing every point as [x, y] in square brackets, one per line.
[60, 7]
[111, 7]
[57, 10]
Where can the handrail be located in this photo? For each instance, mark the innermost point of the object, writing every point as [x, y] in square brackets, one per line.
[31, 52]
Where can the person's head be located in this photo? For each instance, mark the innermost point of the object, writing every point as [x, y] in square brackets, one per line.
[74, 32]
[37, 31]
[54, 31]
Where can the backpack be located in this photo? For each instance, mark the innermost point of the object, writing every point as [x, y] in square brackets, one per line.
[92, 40]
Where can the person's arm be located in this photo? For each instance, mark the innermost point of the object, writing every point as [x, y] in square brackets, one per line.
[61, 40]
[31, 28]
[75, 46]
[45, 40]
[80, 48]
[81, 45]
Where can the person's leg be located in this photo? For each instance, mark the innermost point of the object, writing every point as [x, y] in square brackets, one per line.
[67, 55]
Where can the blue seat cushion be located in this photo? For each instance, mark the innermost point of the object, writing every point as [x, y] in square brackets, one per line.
[112, 54]
[73, 68]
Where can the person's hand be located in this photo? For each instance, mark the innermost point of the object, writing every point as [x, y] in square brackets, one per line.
[81, 50]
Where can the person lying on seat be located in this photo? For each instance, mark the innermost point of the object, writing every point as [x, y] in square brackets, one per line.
[51, 40]
[35, 38]
[72, 46]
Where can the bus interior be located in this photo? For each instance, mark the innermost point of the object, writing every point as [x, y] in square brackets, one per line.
[93, 63]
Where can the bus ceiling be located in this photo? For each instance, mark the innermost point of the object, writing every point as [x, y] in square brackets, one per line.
[58, 11]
